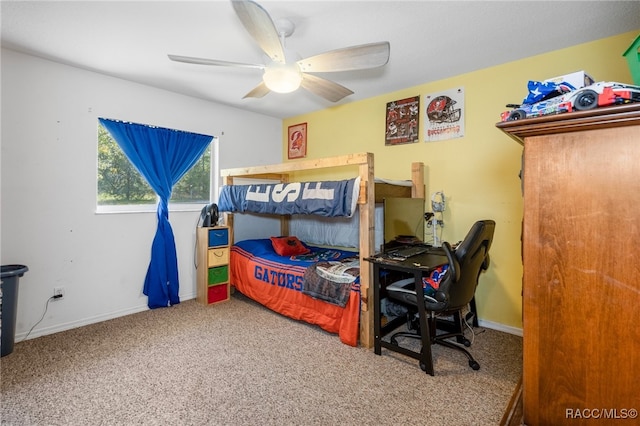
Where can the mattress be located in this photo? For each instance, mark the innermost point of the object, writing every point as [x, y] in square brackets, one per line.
[276, 282]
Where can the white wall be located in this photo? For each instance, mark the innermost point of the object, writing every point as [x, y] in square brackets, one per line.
[48, 191]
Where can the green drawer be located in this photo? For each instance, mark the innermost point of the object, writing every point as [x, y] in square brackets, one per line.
[219, 274]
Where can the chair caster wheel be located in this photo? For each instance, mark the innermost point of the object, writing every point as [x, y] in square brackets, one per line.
[474, 365]
[467, 342]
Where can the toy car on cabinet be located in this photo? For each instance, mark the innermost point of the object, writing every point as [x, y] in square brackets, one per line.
[586, 98]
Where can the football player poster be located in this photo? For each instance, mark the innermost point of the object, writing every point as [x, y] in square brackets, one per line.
[402, 121]
[444, 115]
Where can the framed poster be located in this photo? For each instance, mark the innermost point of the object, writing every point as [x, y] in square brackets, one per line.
[444, 115]
[297, 141]
[402, 121]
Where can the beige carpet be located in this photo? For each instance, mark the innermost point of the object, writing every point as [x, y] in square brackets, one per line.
[238, 363]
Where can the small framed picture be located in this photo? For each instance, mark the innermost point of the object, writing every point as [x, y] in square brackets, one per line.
[297, 142]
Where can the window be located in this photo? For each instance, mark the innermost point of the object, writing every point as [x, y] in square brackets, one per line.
[121, 188]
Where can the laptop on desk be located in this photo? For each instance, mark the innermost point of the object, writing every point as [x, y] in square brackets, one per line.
[406, 252]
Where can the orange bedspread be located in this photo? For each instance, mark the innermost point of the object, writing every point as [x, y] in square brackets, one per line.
[276, 282]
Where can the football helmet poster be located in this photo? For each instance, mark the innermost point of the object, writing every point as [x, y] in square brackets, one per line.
[444, 115]
[402, 121]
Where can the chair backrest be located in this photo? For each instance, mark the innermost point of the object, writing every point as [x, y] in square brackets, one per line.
[466, 263]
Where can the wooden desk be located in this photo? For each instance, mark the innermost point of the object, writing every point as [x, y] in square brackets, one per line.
[418, 266]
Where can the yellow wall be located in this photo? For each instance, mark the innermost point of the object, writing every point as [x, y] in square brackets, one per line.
[479, 172]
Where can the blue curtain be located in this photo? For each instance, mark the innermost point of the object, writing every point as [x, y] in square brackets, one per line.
[162, 156]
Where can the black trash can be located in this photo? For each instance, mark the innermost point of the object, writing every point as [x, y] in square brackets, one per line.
[8, 305]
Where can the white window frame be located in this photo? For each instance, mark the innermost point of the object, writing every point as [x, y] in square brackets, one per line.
[214, 179]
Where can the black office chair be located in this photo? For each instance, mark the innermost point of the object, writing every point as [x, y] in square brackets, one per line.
[454, 294]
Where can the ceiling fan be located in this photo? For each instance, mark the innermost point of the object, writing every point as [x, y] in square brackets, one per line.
[283, 75]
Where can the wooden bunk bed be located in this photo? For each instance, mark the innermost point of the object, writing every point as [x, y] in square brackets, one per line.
[370, 193]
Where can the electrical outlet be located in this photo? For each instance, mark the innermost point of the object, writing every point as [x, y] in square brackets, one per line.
[58, 293]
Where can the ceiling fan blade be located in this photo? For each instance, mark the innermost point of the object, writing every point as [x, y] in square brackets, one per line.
[352, 58]
[259, 91]
[324, 88]
[203, 61]
[259, 24]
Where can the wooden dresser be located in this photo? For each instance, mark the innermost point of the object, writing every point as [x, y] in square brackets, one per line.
[581, 254]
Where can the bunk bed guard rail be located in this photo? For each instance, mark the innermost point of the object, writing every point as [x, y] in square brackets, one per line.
[325, 198]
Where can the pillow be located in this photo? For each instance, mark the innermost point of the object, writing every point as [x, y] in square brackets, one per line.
[288, 246]
[431, 283]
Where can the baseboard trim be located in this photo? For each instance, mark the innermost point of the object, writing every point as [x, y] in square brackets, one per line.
[38, 332]
[134, 310]
[500, 327]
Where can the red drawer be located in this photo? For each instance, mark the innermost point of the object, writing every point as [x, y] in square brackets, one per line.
[217, 293]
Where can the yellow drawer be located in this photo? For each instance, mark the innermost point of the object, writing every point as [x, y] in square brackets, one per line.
[218, 256]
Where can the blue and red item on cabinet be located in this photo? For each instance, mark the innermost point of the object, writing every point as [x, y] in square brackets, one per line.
[553, 98]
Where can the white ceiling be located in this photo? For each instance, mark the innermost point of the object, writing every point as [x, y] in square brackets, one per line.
[430, 40]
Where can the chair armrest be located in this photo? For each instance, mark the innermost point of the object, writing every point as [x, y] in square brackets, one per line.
[454, 266]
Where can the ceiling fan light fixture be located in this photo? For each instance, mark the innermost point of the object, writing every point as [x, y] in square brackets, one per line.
[282, 78]
[287, 71]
